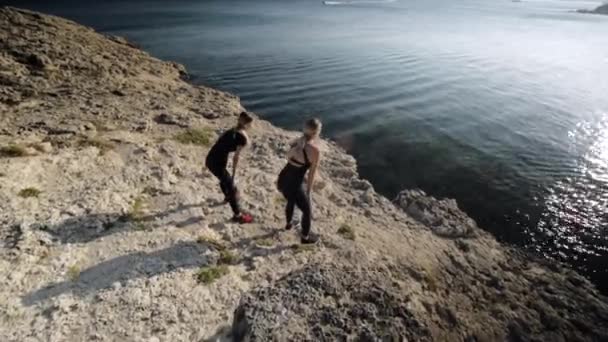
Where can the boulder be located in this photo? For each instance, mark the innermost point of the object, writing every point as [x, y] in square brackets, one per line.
[165, 119]
[168, 119]
[443, 216]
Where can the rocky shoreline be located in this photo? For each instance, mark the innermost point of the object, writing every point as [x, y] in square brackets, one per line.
[603, 9]
[111, 229]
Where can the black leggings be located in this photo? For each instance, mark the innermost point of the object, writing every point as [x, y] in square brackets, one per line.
[226, 184]
[290, 184]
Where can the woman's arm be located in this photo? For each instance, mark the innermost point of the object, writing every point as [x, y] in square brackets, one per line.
[315, 155]
[237, 154]
[235, 160]
[293, 148]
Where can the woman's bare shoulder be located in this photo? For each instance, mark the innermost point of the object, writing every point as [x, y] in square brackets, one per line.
[313, 148]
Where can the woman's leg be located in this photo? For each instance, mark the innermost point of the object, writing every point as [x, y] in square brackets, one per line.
[217, 172]
[291, 203]
[284, 186]
[303, 203]
[230, 191]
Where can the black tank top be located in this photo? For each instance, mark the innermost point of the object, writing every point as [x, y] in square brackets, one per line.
[227, 143]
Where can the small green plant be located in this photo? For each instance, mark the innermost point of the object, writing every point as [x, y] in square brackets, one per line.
[139, 226]
[195, 136]
[347, 232]
[264, 242]
[102, 145]
[135, 213]
[13, 151]
[211, 242]
[209, 274]
[430, 281]
[228, 258]
[300, 248]
[101, 126]
[73, 272]
[29, 192]
[279, 200]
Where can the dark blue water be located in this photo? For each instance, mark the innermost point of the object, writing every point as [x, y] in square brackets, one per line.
[501, 105]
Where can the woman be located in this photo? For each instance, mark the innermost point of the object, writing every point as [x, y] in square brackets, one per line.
[233, 140]
[303, 156]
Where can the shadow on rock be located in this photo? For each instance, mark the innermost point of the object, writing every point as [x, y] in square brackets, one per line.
[87, 228]
[124, 268]
[221, 335]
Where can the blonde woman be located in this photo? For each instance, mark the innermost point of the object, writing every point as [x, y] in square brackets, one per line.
[303, 157]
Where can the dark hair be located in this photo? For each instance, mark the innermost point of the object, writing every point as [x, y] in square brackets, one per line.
[244, 119]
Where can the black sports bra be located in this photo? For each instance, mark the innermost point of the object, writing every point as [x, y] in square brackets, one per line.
[298, 163]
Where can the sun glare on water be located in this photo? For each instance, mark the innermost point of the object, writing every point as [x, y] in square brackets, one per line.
[575, 219]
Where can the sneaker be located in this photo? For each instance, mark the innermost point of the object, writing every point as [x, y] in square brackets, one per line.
[310, 239]
[243, 218]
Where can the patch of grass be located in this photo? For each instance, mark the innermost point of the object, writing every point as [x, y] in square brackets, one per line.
[136, 212]
[280, 200]
[29, 192]
[102, 145]
[101, 126]
[73, 272]
[347, 231]
[211, 242]
[299, 248]
[228, 258]
[209, 274]
[264, 242]
[195, 136]
[139, 226]
[431, 282]
[13, 151]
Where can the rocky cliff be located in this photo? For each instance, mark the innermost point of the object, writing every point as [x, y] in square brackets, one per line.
[603, 9]
[111, 229]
